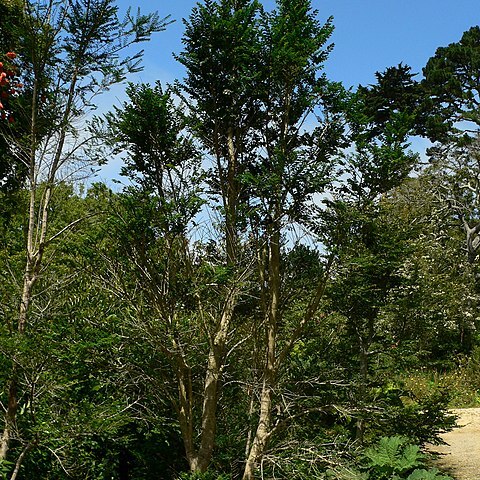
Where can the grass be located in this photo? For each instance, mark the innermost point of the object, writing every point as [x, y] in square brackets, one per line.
[463, 382]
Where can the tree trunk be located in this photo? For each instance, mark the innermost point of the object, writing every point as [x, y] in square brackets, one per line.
[212, 384]
[10, 417]
[36, 242]
[29, 279]
[216, 357]
[199, 460]
[270, 369]
[362, 390]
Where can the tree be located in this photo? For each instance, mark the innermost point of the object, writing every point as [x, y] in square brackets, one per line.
[451, 81]
[395, 91]
[368, 249]
[432, 312]
[165, 165]
[237, 109]
[89, 39]
[222, 59]
[292, 167]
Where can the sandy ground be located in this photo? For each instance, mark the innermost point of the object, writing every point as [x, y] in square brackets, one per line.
[461, 457]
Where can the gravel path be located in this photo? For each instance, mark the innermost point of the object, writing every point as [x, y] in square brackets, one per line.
[461, 457]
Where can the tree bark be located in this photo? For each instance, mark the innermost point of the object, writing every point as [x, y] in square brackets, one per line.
[36, 242]
[199, 460]
[362, 390]
[270, 369]
[212, 385]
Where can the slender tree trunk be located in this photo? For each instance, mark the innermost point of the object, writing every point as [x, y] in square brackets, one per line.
[184, 406]
[362, 390]
[364, 344]
[28, 282]
[34, 259]
[10, 417]
[200, 459]
[270, 369]
[36, 242]
[20, 459]
[231, 206]
[212, 384]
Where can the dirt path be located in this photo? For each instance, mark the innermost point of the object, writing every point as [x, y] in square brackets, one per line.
[461, 457]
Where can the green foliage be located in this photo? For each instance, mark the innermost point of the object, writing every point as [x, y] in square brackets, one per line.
[421, 419]
[436, 276]
[452, 83]
[209, 475]
[222, 60]
[128, 300]
[161, 159]
[395, 458]
[460, 381]
[422, 474]
[5, 468]
[392, 456]
[382, 117]
[297, 164]
[395, 92]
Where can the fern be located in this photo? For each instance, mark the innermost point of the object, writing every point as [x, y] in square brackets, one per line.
[422, 474]
[393, 456]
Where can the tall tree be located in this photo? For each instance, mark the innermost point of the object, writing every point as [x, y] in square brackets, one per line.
[434, 306]
[222, 59]
[72, 52]
[355, 230]
[452, 83]
[292, 167]
[165, 165]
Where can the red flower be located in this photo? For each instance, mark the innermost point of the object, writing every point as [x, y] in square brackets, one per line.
[11, 55]
[1, 106]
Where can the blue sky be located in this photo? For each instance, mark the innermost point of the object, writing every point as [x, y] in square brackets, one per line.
[369, 36]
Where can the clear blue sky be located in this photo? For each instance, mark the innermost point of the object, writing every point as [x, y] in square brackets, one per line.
[370, 35]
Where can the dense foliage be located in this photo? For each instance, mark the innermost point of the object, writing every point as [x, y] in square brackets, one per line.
[283, 290]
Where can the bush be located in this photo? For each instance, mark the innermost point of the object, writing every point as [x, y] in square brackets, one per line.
[422, 419]
[394, 458]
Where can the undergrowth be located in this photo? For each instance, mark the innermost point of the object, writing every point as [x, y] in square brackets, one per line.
[462, 381]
